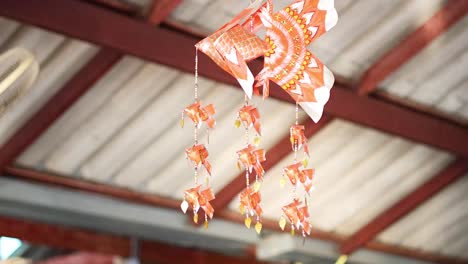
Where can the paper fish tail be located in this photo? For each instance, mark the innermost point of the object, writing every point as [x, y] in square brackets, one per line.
[211, 122]
[259, 170]
[210, 109]
[309, 173]
[260, 154]
[207, 166]
[209, 210]
[257, 126]
[306, 227]
[208, 194]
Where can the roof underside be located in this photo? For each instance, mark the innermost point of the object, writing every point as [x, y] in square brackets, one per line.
[125, 131]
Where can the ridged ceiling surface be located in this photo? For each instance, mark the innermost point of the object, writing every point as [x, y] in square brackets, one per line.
[125, 131]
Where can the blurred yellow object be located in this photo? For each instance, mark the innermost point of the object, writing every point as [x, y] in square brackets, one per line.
[16, 261]
[342, 259]
[18, 71]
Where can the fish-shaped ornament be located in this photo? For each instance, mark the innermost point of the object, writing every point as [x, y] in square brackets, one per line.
[199, 114]
[250, 206]
[249, 116]
[298, 138]
[198, 155]
[288, 62]
[298, 215]
[196, 199]
[295, 174]
[251, 159]
[234, 44]
[250, 202]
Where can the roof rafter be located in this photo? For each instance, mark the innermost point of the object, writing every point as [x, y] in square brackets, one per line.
[57, 105]
[399, 210]
[161, 9]
[73, 89]
[176, 49]
[448, 15]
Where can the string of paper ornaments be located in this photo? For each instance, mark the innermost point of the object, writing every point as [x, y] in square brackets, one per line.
[288, 63]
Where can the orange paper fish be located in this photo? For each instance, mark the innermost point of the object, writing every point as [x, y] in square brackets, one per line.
[294, 174]
[251, 158]
[234, 44]
[298, 216]
[199, 114]
[197, 199]
[198, 155]
[250, 202]
[298, 138]
[250, 116]
[288, 62]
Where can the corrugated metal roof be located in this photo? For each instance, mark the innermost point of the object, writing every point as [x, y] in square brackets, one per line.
[59, 58]
[125, 131]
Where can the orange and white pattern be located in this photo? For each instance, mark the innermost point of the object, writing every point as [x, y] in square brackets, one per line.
[234, 44]
[298, 215]
[288, 62]
[196, 199]
[295, 174]
[251, 159]
[250, 202]
[250, 116]
[199, 114]
[198, 155]
[298, 138]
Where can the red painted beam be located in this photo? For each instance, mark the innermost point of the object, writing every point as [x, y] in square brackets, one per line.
[63, 237]
[399, 210]
[86, 240]
[161, 9]
[273, 156]
[126, 8]
[57, 105]
[107, 190]
[176, 49]
[452, 12]
[72, 90]
[81, 257]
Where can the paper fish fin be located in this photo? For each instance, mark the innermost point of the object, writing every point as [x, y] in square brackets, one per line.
[208, 194]
[239, 70]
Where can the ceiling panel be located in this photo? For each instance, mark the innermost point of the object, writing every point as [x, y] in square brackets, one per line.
[440, 224]
[59, 58]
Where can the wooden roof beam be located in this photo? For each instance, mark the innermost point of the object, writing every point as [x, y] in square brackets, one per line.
[399, 210]
[448, 15]
[57, 105]
[176, 49]
[73, 89]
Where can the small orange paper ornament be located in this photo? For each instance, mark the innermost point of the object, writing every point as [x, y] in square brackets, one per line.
[304, 176]
[298, 138]
[298, 216]
[198, 155]
[250, 116]
[196, 199]
[251, 159]
[200, 114]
